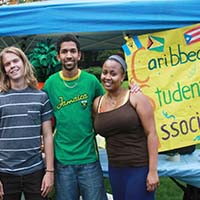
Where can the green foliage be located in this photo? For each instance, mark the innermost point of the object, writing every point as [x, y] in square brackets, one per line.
[94, 70]
[43, 58]
[104, 54]
[125, 84]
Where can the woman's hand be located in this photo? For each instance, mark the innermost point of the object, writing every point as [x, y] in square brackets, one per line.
[152, 181]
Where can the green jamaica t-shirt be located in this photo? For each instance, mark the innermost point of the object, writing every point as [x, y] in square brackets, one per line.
[74, 139]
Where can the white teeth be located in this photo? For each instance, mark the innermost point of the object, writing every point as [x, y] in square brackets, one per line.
[107, 83]
[68, 63]
[14, 71]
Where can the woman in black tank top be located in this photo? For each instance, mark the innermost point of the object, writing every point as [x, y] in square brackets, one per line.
[126, 120]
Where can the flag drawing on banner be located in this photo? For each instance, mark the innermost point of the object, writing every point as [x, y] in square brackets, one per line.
[137, 42]
[126, 49]
[132, 43]
[192, 35]
[156, 43]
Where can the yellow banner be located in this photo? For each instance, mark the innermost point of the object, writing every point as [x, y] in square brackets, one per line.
[166, 65]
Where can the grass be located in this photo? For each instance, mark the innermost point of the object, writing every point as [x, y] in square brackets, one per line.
[167, 190]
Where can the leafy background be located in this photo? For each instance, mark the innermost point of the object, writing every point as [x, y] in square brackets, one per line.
[43, 58]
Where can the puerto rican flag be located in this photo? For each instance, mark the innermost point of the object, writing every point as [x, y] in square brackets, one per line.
[192, 35]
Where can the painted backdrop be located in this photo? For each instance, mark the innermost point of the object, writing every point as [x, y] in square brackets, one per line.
[166, 65]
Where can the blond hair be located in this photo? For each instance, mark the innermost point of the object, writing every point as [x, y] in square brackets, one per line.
[29, 76]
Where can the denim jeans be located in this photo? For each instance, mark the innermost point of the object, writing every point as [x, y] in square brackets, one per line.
[75, 180]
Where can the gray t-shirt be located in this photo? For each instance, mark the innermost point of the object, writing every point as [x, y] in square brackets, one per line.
[21, 115]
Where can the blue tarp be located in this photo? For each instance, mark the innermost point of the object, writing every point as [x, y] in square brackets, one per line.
[60, 16]
[186, 169]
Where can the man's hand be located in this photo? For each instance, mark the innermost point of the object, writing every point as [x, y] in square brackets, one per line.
[1, 191]
[47, 183]
[134, 88]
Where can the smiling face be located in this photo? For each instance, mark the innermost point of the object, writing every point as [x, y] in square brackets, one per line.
[14, 67]
[112, 75]
[69, 56]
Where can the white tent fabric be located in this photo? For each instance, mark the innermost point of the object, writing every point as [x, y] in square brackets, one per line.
[95, 20]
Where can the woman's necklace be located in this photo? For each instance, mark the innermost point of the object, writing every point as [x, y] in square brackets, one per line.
[115, 101]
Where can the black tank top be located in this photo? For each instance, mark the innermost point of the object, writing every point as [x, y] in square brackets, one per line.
[126, 142]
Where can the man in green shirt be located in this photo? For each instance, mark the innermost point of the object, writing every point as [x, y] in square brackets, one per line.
[71, 93]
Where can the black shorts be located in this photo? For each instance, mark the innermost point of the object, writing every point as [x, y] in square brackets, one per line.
[30, 185]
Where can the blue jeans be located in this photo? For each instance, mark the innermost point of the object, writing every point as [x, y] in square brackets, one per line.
[75, 180]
